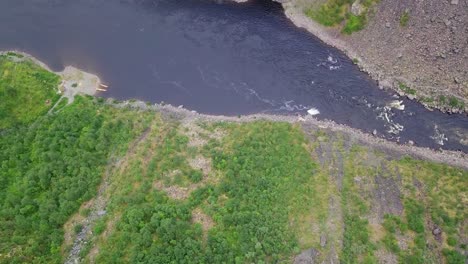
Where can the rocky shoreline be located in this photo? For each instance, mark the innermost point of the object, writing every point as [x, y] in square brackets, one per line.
[90, 88]
[428, 72]
[453, 158]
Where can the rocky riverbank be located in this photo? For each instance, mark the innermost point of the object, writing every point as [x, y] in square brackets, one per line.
[76, 82]
[426, 60]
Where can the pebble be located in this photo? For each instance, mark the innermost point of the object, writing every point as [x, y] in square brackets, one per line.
[436, 231]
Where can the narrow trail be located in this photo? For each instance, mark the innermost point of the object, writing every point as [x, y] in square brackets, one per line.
[99, 203]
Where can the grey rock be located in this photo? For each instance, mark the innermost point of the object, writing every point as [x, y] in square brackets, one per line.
[374, 132]
[447, 22]
[436, 231]
[323, 240]
[454, 2]
[101, 212]
[387, 25]
[306, 257]
[356, 8]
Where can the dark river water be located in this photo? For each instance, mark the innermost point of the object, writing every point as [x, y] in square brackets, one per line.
[216, 58]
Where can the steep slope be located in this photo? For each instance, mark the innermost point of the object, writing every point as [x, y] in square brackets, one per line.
[419, 48]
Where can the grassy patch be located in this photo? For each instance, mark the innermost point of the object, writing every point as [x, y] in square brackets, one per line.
[404, 18]
[334, 12]
[354, 23]
[406, 89]
[331, 13]
[454, 102]
[26, 91]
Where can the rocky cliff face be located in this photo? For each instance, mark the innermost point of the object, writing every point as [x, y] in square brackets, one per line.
[427, 58]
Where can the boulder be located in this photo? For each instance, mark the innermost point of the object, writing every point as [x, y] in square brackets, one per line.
[356, 8]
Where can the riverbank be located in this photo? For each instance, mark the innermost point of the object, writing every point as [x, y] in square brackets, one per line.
[426, 60]
[100, 171]
[76, 82]
[453, 158]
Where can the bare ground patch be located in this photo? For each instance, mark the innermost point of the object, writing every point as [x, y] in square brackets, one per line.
[198, 216]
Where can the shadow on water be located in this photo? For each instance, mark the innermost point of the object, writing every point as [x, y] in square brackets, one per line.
[217, 58]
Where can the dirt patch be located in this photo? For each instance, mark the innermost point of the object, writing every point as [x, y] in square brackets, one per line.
[198, 216]
[174, 192]
[386, 257]
[201, 163]
[386, 198]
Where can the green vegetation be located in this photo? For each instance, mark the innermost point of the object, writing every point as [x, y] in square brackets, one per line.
[404, 18]
[258, 193]
[334, 12]
[50, 168]
[26, 91]
[354, 23]
[185, 191]
[331, 13]
[406, 89]
[455, 103]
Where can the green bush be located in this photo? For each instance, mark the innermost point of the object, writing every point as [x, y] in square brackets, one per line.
[406, 89]
[404, 18]
[77, 228]
[327, 15]
[414, 215]
[451, 241]
[354, 23]
[196, 176]
[453, 257]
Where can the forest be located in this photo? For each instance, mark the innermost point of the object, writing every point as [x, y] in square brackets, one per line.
[179, 189]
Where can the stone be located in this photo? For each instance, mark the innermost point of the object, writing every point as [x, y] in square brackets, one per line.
[387, 25]
[411, 142]
[356, 8]
[454, 2]
[306, 257]
[436, 231]
[374, 132]
[447, 22]
[323, 240]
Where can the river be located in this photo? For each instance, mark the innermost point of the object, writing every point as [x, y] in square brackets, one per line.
[217, 58]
